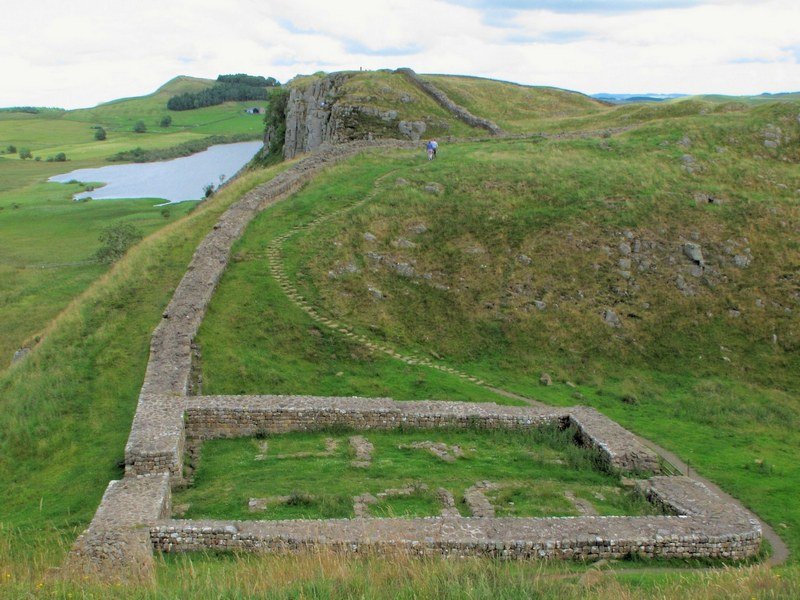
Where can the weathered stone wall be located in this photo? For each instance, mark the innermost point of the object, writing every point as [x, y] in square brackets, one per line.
[619, 446]
[709, 531]
[209, 417]
[116, 543]
[445, 102]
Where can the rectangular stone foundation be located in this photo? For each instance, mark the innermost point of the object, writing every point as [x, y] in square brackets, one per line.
[714, 529]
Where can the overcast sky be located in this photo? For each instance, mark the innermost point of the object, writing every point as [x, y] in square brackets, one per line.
[83, 52]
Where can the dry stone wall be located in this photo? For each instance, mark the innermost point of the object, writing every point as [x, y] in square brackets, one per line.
[708, 532]
[210, 417]
[445, 102]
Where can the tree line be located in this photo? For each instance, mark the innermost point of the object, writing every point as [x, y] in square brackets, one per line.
[239, 87]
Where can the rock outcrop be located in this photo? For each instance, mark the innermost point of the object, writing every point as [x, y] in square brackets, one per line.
[316, 114]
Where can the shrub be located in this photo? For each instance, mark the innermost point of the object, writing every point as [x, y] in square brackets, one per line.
[166, 121]
[116, 240]
[11, 149]
[60, 157]
[139, 127]
[25, 153]
[100, 134]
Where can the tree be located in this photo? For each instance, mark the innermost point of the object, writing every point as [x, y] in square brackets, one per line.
[166, 121]
[11, 149]
[60, 157]
[140, 127]
[100, 134]
[116, 240]
[25, 153]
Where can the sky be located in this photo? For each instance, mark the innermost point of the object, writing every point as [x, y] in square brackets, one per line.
[83, 52]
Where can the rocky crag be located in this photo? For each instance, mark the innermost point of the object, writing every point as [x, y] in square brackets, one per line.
[318, 112]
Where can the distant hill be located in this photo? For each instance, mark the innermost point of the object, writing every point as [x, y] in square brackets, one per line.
[633, 98]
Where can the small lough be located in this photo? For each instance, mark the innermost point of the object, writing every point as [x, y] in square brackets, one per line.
[175, 180]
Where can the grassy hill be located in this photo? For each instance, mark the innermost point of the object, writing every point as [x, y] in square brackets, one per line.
[501, 258]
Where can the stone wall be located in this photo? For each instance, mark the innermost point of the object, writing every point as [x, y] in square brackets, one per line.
[116, 544]
[445, 102]
[209, 417]
[710, 531]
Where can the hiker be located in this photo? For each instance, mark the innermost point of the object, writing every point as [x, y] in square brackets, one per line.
[431, 147]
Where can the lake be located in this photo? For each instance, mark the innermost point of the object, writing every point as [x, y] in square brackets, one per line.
[174, 180]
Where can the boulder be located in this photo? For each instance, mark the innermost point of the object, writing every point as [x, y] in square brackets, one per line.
[694, 253]
[611, 318]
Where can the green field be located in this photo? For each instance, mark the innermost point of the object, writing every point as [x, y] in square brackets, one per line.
[48, 240]
[694, 365]
[532, 470]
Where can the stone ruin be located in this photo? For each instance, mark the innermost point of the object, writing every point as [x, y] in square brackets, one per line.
[133, 519]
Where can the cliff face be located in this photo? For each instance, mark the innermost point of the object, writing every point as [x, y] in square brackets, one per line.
[315, 115]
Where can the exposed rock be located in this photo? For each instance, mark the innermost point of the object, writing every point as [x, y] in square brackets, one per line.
[376, 293]
[418, 228]
[438, 449]
[742, 261]
[545, 379]
[369, 237]
[624, 263]
[704, 198]
[611, 318]
[20, 354]
[734, 314]
[404, 269]
[403, 243]
[524, 259]
[434, 188]
[685, 142]
[771, 144]
[689, 163]
[694, 253]
[401, 181]
[345, 269]
[412, 129]
[539, 304]
[624, 248]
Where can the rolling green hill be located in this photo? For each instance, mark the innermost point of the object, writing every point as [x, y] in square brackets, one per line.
[43, 256]
[650, 268]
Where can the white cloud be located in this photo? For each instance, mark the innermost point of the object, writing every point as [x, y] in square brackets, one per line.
[80, 53]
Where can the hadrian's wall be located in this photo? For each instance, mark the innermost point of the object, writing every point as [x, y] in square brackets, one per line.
[445, 102]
